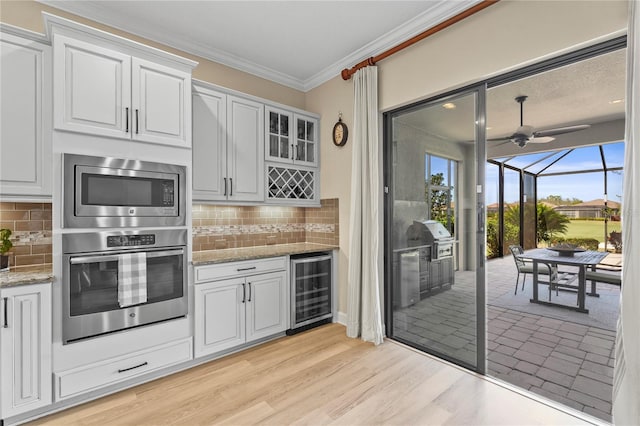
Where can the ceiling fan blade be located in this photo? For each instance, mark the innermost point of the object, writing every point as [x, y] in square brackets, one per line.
[505, 138]
[543, 139]
[560, 130]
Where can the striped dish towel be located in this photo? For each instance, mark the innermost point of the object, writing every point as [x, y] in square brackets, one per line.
[132, 279]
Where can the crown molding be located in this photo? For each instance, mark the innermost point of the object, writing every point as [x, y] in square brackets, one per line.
[21, 32]
[437, 13]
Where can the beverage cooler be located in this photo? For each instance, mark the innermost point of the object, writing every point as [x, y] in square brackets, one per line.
[311, 291]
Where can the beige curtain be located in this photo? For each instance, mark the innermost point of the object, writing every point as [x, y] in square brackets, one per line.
[626, 380]
[364, 316]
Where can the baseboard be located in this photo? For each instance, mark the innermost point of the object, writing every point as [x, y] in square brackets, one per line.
[342, 318]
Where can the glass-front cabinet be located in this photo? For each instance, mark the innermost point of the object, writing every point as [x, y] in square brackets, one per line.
[290, 137]
[279, 146]
[306, 140]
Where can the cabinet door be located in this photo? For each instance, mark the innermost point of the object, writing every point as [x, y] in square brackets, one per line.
[161, 104]
[267, 306]
[25, 371]
[306, 145]
[25, 114]
[92, 88]
[209, 145]
[278, 132]
[245, 155]
[219, 315]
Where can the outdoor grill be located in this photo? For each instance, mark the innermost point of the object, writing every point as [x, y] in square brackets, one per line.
[434, 234]
[437, 267]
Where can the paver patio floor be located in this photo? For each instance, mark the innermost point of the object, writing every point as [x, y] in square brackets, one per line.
[555, 357]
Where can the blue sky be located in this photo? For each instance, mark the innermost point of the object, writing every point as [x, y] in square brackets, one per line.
[584, 186]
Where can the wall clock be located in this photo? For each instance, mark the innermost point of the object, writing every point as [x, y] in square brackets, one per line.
[340, 132]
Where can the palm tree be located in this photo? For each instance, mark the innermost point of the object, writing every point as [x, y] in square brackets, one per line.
[550, 222]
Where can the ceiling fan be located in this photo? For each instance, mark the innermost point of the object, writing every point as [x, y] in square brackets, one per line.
[525, 133]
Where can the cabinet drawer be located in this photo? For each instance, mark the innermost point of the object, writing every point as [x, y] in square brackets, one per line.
[235, 269]
[83, 379]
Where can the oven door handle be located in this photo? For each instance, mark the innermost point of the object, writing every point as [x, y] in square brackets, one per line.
[111, 258]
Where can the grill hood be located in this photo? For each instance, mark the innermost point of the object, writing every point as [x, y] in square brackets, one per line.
[427, 232]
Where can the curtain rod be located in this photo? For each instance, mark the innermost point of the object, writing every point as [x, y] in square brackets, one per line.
[348, 72]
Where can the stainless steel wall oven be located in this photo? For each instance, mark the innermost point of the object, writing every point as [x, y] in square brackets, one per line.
[92, 290]
[113, 192]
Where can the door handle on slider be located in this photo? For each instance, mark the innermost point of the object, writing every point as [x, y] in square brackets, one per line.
[5, 301]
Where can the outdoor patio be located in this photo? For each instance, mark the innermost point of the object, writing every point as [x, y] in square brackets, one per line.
[557, 353]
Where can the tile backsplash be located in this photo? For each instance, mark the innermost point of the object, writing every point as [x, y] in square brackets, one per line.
[30, 224]
[220, 227]
[214, 227]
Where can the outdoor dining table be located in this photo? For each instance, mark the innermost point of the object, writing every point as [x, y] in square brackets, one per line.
[582, 260]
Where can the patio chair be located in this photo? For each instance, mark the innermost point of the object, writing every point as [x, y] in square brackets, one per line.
[526, 267]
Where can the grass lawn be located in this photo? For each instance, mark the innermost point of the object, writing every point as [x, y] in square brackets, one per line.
[590, 229]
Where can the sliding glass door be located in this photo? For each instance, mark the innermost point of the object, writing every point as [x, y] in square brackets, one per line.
[435, 233]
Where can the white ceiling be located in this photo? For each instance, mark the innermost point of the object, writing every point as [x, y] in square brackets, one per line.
[300, 44]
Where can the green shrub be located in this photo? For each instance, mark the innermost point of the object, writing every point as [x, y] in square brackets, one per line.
[585, 243]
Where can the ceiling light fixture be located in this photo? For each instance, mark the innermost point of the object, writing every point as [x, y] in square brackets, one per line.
[449, 105]
[616, 101]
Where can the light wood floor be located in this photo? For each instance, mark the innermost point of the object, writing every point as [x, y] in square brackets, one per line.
[317, 377]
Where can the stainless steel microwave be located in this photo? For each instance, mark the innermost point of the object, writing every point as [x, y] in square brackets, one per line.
[114, 192]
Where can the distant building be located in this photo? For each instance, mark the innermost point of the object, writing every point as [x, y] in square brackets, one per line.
[593, 209]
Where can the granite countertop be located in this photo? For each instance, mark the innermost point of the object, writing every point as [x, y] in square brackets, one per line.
[247, 253]
[22, 275]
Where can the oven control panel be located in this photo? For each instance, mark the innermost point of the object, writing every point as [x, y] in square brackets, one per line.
[131, 240]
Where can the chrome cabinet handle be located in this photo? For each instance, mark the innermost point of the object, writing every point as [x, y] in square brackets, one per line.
[244, 293]
[249, 299]
[126, 130]
[133, 368]
[230, 187]
[225, 186]
[5, 301]
[137, 119]
[246, 269]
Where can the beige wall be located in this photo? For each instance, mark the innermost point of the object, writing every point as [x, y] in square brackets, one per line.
[27, 14]
[505, 36]
[328, 100]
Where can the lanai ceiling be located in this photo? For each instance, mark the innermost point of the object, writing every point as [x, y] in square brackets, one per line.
[587, 92]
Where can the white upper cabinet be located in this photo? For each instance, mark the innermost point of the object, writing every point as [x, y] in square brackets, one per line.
[278, 141]
[245, 156]
[25, 116]
[228, 156]
[209, 145]
[306, 145]
[93, 93]
[160, 104]
[290, 137]
[108, 86]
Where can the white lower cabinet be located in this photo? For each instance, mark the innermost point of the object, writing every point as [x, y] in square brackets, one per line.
[231, 312]
[25, 348]
[97, 375]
